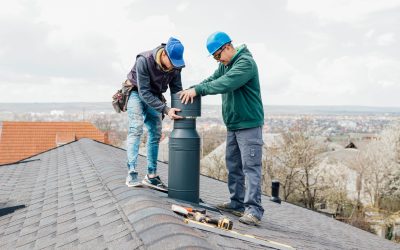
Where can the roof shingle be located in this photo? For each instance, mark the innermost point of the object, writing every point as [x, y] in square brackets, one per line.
[75, 196]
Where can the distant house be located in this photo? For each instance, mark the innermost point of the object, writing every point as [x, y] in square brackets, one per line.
[351, 145]
[20, 140]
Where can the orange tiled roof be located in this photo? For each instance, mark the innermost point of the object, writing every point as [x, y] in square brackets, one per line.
[65, 137]
[20, 140]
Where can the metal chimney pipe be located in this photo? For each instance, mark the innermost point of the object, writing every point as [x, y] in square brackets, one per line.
[275, 192]
[184, 152]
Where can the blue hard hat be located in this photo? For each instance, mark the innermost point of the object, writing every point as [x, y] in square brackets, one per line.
[174, 49]
[216, 40]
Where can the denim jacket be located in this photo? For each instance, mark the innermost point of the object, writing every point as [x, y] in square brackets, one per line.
[152, 81]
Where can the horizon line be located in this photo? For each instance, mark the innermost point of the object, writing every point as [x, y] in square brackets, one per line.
[278, 105]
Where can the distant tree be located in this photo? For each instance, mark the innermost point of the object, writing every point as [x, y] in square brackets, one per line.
[377, 171]
[358, 220]
[117, 138]
[309, 175]
[103, 123]
[293, 162]
[393, 184]
[211, 139]
[268, 169]
[332, 184]
[391, 137]
[377, 166]
[280, 163]
[215, 167]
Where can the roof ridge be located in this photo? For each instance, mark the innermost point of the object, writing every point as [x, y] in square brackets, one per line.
[131, 201]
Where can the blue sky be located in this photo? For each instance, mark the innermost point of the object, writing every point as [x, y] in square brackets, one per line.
[309, 52]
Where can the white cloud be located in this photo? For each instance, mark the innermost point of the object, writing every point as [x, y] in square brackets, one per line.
[274, 70]
[56, 89]
[341, 10]
[107, 20]
[383, 71]
[386, 39]
[317, 40]
[61, 50]
[12, 9]
[346, 80]
[370, 33]
[182, 6]
[62, 41]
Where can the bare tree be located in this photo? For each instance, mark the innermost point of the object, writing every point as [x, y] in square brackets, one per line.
[104, 122]
[376, 172]
[333, 185]
[215, 167]
[307, 161]
[358, 165]
[391, 137]
[376, 166]
[281, 163]
[211, 139]
[293, 162]
[269, 168]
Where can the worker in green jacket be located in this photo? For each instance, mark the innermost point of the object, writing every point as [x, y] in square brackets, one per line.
[237, 80]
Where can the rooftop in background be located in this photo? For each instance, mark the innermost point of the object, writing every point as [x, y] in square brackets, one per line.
[75, 197]
[19, 140]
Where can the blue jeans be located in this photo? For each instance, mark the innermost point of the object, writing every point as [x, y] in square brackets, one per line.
[243, 161]
[140, 113]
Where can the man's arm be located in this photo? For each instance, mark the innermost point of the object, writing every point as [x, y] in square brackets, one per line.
[215, 75]
[176, 84]
[130, 75]
[143, 80]
[236, 77]
[188, 94]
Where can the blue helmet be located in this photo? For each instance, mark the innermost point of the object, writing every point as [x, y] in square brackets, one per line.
[216, 40]
[174, 49]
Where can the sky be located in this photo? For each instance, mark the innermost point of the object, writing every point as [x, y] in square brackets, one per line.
[308, 52]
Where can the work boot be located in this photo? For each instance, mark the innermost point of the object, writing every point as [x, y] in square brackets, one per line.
[226, 206]
[154, 182]
[132, 179]
[250, 219]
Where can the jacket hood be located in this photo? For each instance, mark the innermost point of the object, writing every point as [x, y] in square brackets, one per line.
[154, 52]
[241, 51]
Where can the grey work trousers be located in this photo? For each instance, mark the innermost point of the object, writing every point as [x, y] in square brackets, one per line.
[243, 162]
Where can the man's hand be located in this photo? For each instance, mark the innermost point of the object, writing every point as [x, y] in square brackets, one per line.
[172, 115]
[186, 95]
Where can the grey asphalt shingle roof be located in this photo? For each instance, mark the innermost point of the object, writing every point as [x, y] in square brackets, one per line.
[76, 197]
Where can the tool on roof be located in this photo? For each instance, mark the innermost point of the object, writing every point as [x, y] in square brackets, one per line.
[199, 219]
[185, 210]
[223, 222]
[237, 235]
[202, 217]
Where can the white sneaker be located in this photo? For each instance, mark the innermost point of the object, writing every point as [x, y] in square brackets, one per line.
[132, 179]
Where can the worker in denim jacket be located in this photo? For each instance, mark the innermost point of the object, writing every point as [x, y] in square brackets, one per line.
[154, 71]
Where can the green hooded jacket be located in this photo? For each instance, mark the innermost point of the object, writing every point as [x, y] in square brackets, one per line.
[240, 88]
